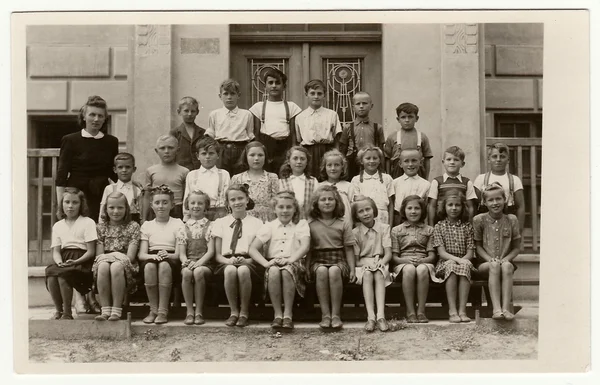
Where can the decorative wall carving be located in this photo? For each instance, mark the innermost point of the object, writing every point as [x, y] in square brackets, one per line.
[460, 38]
[152, 39]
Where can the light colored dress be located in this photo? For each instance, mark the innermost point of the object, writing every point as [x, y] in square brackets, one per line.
[379, 187]
[369, 250]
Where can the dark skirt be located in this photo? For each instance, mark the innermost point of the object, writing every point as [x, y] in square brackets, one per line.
[329, 258]
[93, 188]
[316, 152]
[175, 268]
[256, 271]
[79, 277]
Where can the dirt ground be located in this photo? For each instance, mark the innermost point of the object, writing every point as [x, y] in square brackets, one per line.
[407, 343]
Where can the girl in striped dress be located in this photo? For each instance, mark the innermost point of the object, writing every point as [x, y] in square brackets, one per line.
[453, 239]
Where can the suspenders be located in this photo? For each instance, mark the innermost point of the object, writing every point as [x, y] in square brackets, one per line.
[511, 185]
[399, 139]
[287, 112]
[220, 186]
[352, 137]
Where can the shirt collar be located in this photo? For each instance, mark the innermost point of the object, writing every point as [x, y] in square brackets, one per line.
[407, 224]
[358, 120]
[364, 229]
[374, 176]
[446, 176]
[213, 169]
[313, 111]
[406, 177]
[121, 184]
[300, 177]
[246, 177]
[234, 111]
[86, 134]
[280, 225]
[198, 221]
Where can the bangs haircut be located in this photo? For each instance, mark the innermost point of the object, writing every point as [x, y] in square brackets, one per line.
[315, 84]
[441, 205]
[206, 143]
[166, 138]
[362, 199]
[200, 193]
[501, 147]
[230, 85]
[290, 195]
[331, 154]
[314, 211]
[456, 151]
[407, 108]
[84, 210]
[116, 195]
[406, 201]
[187, 101]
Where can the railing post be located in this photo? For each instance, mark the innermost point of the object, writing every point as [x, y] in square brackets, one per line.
[39, 212]
[534, 218]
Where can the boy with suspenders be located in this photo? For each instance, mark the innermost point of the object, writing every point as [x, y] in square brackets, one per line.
[124, 168]
[274, 120]
[406, 138]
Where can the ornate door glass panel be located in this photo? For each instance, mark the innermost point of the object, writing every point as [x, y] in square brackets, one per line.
[257, 69]
[344, 78]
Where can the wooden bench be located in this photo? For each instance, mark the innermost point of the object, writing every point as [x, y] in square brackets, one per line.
[307, 309]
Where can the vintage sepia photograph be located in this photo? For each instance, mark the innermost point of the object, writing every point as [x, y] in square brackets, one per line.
[287, 191]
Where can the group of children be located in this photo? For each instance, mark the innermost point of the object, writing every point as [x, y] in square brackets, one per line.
[363, 212]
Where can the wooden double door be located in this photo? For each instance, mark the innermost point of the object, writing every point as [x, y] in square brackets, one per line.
[345, 68]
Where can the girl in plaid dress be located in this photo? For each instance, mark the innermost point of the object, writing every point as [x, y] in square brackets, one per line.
[288, 240]
[453, 239]
[414, 256]
[295, 176]
[332, 253]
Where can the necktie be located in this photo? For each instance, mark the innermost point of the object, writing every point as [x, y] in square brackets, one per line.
[237, 234]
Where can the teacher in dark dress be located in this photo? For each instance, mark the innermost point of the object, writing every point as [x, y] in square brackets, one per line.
[86, 157]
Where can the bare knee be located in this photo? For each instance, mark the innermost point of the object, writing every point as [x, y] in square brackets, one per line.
[164, 271]
[422, 271]
[230, 271]
[507, 268]
[378, 275]
[322, 272]
[103, 268]
[200, 273]
[494, 267]
[286, 275]
[367, 276]
[274, 271]
[409, 271]
[243, 272]
[335, 273]
[116, 269]
[186, 275]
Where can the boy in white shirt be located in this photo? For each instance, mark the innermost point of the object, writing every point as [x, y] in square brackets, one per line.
[231, 126]
[410, 182]
[124, 168]
[274, 120]
[208, 178]
[318, 129]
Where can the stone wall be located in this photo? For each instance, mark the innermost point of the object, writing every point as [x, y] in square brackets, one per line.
[513, 67]
[66, 64]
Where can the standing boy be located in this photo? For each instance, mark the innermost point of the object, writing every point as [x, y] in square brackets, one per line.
[361, 132]
[209, 178]
[498, 157]
[167, 172]
[453, 161]
[409, 183]
[187, 133]
[124, 168]
[231, 126]
[408, 136]
[317, 128]
[274, 120]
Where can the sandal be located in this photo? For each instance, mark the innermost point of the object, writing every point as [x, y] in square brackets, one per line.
[508, 316]
[422, 319]
[498, 315]
[56, 315]
[325, 322]
[411, 319]
[464, 318]
[454, 319]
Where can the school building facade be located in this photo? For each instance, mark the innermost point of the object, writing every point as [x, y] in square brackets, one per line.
[474, 84]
